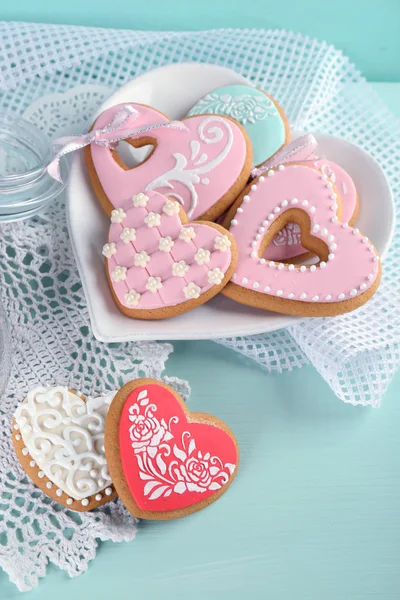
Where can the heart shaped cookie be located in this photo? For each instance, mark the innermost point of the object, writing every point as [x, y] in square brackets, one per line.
[58, 437]
[349, 270]
[203, 167]
[158, 265]
[260, 115]
[166, 462]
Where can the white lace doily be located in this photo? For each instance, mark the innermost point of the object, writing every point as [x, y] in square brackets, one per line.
[40, 288]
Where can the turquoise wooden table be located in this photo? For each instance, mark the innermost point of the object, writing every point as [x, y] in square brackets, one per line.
[313, 513]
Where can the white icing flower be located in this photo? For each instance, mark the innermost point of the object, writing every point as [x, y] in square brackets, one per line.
[154, 284]
[215, 276]
[141, 259]
[118, 215]
[202, 256]
[152, 219]
[222, 242]
[128, 235]
[180, 268]
[171, 207]
[140, 200]
[132, 298]
[119, 273]
[166, 244]
[187, 234]
[109, 250]
[191, 291]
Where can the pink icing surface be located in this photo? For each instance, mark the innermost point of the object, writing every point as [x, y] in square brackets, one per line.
[288, 242]
[160, 264]
[197, 166]
[352, 267]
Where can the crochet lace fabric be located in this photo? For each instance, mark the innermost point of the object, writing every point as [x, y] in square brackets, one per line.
[40, 288]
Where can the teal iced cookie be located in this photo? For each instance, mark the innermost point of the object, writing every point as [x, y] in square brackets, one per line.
[263, 119]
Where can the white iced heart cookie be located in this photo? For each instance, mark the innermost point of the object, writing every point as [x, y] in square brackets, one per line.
[58, 436]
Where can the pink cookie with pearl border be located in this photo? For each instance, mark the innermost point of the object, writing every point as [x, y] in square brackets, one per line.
[160, 266]
[204, 166]
[349, 269]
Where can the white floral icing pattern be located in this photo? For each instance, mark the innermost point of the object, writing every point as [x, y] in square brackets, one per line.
[153, 220]
[166, 244]
[128, 235]
[132, 298]
[64, 435]
[179, 269]
[215, 276]
[191, 291]
[244, 108]
[119, 273]
[117, 215]
[140, 200]
[202, 256]
[222, 243]
[168, 465]
[187, 234]
[154, 284]
[141, 259]
[171, 207]
[109, 250]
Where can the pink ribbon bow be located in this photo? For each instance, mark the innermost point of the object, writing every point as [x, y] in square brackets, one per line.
[302, 149]
[119, 128]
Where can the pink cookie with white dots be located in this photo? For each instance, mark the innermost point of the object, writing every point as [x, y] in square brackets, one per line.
[157, 264]
[349, 269]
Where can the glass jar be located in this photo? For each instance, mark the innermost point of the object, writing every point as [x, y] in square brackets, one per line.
[5, 350]
[25, 185]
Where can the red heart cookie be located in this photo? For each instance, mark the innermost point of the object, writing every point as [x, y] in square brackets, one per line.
[166, 462]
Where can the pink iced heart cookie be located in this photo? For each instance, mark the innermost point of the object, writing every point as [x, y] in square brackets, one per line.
[287, 243]
[349, 270]
[204, 167]
[165, 461]
[158, 265]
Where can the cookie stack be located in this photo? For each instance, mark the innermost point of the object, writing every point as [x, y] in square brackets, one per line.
[196, 218]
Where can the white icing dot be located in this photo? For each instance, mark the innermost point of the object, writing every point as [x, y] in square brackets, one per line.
[334, 206]
[345, 225]
[353, 292]
[355, 231]
[376, 258]
[291, 267]
[108, 491]
[324, 176]
[322, 264]
[331, 256]
[267, 289]
[265, 223]
[69, 501]
[279, 293]
[59, 492]
[41, 474]
[333, 246]
[329, 185]
[291, 296]
[25, 451]
[316, 227]
[341, 296]
[256, 285]
[281, 167]
[98, 497]
[365, 240]
[234, 222]
[234, 276]
[312, 268]
[16, 426]
[270, 217]
[281, 267]
[328, 297]
[245, 280]
[18, 437]
[324, 231]
[32, 464]
[294, 201]
[253, 255]
[258, 236]
[253, 187]
[276, 209]
[261, 229]
[284, 203]
[254, 244]
[370, 277]
[334, 219]
[331, 238]
[304, 203]
[303, 268]
[49, 485]
[303, 296]
[239, 210]
[246, 198]
[261, 178]
[333, 196]
[312, 209]
[85, 502]
[363, 286]
[315, 298]
[270, 173]
[262, 261]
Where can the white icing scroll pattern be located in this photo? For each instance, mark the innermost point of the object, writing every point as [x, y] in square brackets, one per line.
[244, 108]
[65, 437]
[210, 131]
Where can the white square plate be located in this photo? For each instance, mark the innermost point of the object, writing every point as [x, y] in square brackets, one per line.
[174, 89]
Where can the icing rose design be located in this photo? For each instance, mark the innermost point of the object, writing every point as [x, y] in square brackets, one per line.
[166, 244]
[154, 284]
[128, 235]
[202, 256]
[141, 259]
[215, 276]
[180, 268]
[119, 273]
[187, 234]
[198, 471]
[109, 250]
[171, 207]
[146, 430]
[191, 291]
[222, 242]
[152, 219]
[244, 108]
[118, 215]
[140, 200]
[132, 298]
